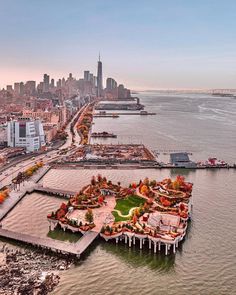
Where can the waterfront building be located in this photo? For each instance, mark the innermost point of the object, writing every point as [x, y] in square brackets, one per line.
[26, 133]
[99, 79]
[181, 160]
[110, 84]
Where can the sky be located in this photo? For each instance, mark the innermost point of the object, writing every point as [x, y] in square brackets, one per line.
[148, 44]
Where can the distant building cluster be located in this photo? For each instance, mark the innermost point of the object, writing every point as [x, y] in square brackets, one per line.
[114, 91]
[33, 114]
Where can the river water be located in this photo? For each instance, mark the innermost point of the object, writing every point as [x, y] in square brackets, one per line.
[205, 263]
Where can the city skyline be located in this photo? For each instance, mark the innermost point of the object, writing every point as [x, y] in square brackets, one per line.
[160, 45]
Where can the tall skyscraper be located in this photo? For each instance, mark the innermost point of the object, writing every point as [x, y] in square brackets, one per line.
[99, 79]
[22, 88]
[91, 78]
[52, 85]
[46, 82]
[59, 83]
[110, 84]
[86, 75]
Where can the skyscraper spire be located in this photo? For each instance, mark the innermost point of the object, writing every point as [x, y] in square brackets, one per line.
[99, 56]
[99, 78]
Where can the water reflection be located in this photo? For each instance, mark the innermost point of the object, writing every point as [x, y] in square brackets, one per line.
[66, 236]
[136, 257]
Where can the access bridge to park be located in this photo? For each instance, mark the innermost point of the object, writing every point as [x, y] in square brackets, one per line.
[55, 245]
[15, 197]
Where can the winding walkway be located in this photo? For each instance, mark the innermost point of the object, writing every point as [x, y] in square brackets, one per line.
[126, 215]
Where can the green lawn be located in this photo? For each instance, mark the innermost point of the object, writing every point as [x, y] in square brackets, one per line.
[119, 218]
[124, 205]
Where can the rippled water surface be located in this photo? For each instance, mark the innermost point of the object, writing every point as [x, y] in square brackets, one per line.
[205, 263]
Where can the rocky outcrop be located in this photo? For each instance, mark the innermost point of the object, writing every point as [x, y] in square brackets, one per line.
[26, 272]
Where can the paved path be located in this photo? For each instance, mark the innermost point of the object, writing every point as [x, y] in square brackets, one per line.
[126, 215]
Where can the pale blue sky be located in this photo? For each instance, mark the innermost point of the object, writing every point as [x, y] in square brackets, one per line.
[144, 44]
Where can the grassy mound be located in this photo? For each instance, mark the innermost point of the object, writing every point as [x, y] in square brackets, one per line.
[124, 206]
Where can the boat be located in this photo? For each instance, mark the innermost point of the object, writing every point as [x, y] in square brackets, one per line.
[103, 134]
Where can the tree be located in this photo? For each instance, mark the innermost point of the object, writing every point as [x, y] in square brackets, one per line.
[144, 189]
[135, 218]
[89, 216]
[146, 181]
[93, 180]
[99, 177]
[100, 199]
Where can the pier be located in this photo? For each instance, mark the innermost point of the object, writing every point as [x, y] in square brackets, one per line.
[115, 115]
[55, 245]
[53, 191]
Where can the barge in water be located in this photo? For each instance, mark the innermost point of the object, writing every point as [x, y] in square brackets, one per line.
[103, 134]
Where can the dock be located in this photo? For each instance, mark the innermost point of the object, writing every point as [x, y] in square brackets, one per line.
[85, 241]
[53, 191]
[115, 115]
[55, 245]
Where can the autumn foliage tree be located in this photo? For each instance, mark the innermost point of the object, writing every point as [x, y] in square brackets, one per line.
[89, 216]
[144, 190]
[3, 195]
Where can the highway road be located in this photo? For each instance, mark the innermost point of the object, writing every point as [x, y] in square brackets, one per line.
[12, 169]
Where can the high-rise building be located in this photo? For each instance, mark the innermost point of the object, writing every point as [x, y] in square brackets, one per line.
[46, 83]
[52, 85]
[17, 88]
[30, 87]
[63, 82]
[9, 88]
[25, 133]
[22, 88]
[99, 79]
[59, 83]
[111, 84]
[86, 75]
[91, 78]
[121, 91]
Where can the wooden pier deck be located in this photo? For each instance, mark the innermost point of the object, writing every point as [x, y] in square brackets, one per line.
[54, 191]
[85, 241]
[55, 245]
[42, 242]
